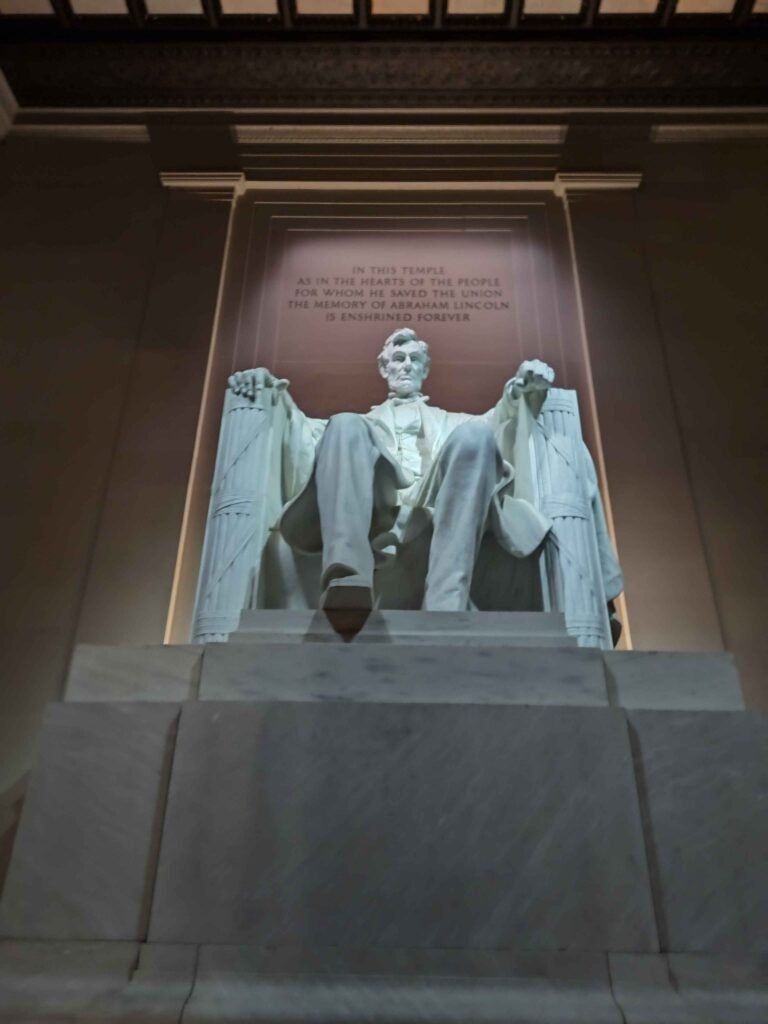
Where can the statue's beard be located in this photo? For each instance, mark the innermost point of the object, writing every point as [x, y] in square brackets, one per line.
[406, 388]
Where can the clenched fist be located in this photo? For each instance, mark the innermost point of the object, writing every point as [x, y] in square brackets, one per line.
[532, 375]
[249, 383]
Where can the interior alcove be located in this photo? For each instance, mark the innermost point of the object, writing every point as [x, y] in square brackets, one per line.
[487, 281]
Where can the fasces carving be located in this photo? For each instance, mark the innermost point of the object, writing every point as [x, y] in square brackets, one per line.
[407, 506]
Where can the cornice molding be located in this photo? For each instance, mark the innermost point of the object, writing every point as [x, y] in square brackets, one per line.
[8, 106]
[131, 133]
[744, 132]
[204, 184]
[570, 184]
[400, 134]
[561, 185]
[388, 185]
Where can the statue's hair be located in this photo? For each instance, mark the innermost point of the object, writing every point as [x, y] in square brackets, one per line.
[401, 337]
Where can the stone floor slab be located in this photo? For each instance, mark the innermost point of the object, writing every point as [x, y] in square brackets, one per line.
[399, 987]
[724, 989]
[646, 994]
[84, 857]
[406, 674]
[93, 982]
[703, 779]
[403, 825]
[39, 980]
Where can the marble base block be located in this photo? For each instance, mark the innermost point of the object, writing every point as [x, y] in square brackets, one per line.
[724, 989]
[703, 781]
[690, 989]
[525, 629]
[471, 674]
[157, 673]
[94, 982]
[84, 858]
[397, 986]
[672, 680]
[646, 993]
[131, 983]
[439, 821]
[421, 825]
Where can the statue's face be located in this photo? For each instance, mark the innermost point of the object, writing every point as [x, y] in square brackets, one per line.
[406, 370]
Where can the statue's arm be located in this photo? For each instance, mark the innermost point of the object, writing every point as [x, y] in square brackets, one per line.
[530, 384]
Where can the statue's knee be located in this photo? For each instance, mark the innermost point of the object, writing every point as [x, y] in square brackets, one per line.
[476, 438]
[346, 422]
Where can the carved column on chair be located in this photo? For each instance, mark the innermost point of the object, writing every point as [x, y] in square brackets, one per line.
[241, 511]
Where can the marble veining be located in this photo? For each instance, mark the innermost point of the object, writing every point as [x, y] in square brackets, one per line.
[83, 861]
[703, 778]
[403, 825]
[464, 675]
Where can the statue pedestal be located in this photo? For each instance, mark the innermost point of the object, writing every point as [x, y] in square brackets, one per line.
[510, 629]
[436, 822]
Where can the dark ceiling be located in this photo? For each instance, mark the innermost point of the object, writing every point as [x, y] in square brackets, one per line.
[433, 52]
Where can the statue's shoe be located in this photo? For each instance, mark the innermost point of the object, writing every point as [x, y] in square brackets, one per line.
[350, 592]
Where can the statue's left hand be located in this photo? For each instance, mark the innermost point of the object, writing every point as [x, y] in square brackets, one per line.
[533, 377]
[250, 383]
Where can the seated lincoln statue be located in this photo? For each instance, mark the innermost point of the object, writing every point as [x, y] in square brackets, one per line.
[407, 505]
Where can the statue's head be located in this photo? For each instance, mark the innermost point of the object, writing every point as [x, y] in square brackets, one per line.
[404, 363]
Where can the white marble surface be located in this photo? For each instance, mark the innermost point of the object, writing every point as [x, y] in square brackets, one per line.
[130, 983]
[156, 673]
[83, 861]
[703, 783]
[682, 988]
[466, 674]
[524, 629]
[330, 487]
[94, 982]
[725, 989]
[643, 988]
[399, 986]
[338, 823]
[342, 476]
[671, 680]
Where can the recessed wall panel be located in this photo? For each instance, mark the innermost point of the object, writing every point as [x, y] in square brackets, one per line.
[319, 300]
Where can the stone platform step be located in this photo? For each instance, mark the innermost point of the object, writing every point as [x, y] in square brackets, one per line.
[510, 629]
[132, 983]
[404, 673]
[419, 672]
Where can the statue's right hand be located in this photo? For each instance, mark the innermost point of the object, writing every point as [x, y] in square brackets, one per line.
[249, 383]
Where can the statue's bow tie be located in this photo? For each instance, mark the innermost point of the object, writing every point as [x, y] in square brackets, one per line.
[408, 401]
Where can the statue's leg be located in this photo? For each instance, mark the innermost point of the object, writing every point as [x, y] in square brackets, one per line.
[468, 465]
[345, 467]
